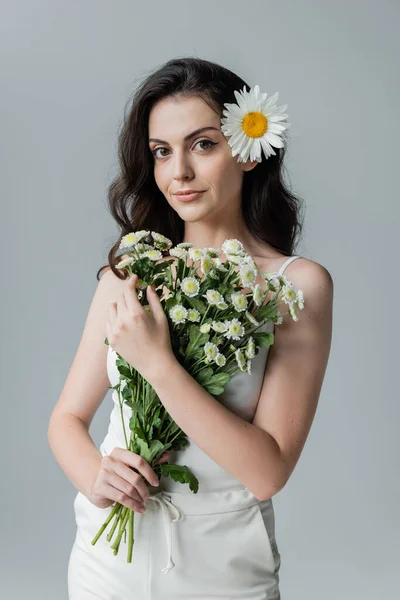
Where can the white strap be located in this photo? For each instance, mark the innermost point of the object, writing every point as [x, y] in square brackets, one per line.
[286, 263]
[165, 504]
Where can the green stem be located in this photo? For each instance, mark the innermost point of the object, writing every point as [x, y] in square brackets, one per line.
[116, 521]
[106, 522]
[130, 535]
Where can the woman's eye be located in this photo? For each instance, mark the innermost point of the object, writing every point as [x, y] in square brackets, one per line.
[208, 143]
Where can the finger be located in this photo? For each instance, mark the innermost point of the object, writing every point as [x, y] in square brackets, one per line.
[130, 295]
[139, 463]
[134, 484]
[116, 490]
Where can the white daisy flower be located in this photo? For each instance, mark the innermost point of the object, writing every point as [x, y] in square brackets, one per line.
[293, 312]
[196, 253]
[193, 315]
[128, 240]
[289, 294]
[235, 329]
[178, 313]
[206, 264]
[222, 305]
[178, 252]
[239, 301]
[250, 318]
[232, 246]
[212, 252]
[125, 262]
[249, 260]
[236, 259]
[258, 295]
[185, 245]
[160, 241]
[211, 350]
[152, 254]
[213, 297]
[220, 359]
[250, 350]
[219, 266]
[218, 326]
[142, 234]
[248, 274]
[300, 299]
[255, 123]
[190, 286]
[273, 282]
[240, 359]
[248, 367]
[277, 318]
[205, 328]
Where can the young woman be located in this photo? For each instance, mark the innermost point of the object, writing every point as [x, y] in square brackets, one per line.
[220, 542]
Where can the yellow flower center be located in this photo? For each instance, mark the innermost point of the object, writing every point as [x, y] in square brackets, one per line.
[255, 124]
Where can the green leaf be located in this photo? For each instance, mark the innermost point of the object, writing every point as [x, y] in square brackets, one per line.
[263, 338]
[180, 474]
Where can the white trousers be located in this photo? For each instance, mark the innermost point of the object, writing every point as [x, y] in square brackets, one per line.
[205, 546]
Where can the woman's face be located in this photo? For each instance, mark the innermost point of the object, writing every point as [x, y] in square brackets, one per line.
[202, 162]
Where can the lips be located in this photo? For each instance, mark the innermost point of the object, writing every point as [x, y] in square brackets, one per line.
[188, 197]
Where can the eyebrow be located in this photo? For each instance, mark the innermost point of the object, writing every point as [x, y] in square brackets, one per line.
[187, 137]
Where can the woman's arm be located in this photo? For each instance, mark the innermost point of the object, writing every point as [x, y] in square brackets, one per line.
[262, 454]
[84, 389]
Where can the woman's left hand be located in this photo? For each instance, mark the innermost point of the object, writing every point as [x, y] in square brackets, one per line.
[142, 339]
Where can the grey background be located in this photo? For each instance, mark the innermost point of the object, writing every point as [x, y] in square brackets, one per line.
[67, 71]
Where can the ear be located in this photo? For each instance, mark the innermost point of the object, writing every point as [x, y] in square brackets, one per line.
[249, 165]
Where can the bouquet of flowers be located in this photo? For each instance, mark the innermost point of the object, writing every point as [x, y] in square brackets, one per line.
[214, 325]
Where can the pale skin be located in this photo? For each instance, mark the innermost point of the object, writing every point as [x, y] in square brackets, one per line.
[261, 454]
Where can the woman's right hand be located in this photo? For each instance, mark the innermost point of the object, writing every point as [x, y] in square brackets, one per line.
[117, 482]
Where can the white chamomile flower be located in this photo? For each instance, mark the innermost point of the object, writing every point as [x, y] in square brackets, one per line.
[239, 301]
[190, 286]
[220, 359]
[178, 252]
[293, 312]
[206, 264]
[205, 328]
[255, 123]
[250, 350]
[212, 252]
[232, 246]
[178, 313]
[249, 260]
[152, 254]
[142, 234]
[251, 318]
[213, 297]
[218, 326]
[240, 359]
[196, 253]
[125, 262]
[289, 294]
[248, 274]
[160, 241]
[248, 367]
[211, 350]
[300, 299]
[277, 318]
[236, 259]
[219, 266]
[235, 329]
[128, 240]
[185, 245]
[222, 305]
[193, 315]
[273, 282]
[258, 295]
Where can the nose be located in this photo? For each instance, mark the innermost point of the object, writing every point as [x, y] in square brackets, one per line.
[182, 169]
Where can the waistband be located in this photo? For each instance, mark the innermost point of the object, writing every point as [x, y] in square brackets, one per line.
[176, 505]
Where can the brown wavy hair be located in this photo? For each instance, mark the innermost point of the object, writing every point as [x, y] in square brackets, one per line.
[271, 212]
